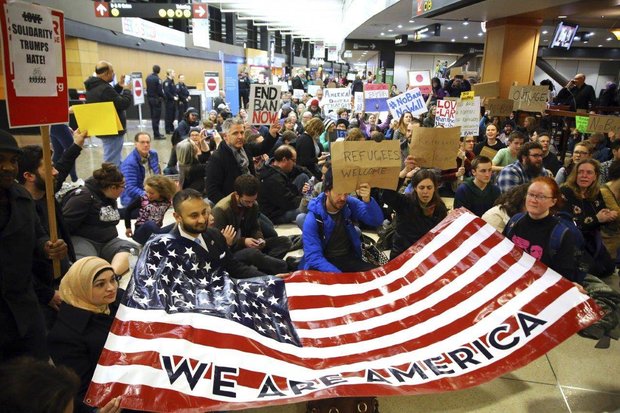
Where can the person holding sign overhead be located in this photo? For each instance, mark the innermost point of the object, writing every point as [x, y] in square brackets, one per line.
[98, 89]
[491, 144]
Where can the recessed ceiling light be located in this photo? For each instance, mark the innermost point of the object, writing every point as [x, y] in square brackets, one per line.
[400, 26]
[390, 30]
[453, 40]
[561, 17]
[465, 23]
[585, 42]
[480, 34]
[382, 34]
[609, 39]
[545, 40]
[544, 32]
[449, 28]
[411, 21]
[600, 45]
[465, 37]
[591, 34]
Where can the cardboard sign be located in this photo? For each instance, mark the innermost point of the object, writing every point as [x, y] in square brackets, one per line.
[334, 99]
[468, 116]
[375, 163]
[298, 93]
[486, 89]
[409, 101]
[358, 102]
[488, 152]
[313, 89]
[435, 147]
[455, 71]
[35, 73]
[264, 104]
[500, 107]
[445, 115]
[376, 96]
[420, 79]
[603, 124]
[467, 95]
[529, 98]
[581, 123]
[98, 119]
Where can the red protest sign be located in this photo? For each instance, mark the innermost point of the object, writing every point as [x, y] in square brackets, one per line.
[33, 48]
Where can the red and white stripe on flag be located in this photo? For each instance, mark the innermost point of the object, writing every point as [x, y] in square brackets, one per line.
[459, 308]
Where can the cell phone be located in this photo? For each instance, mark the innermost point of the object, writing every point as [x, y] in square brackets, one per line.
[127, 79]
[210, 133]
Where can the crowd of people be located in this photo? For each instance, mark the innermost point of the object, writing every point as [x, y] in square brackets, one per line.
[238, 182]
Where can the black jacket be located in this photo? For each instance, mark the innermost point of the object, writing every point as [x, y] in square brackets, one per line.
[306, 154]
[98, 90]
[21, 239]
[153, 87]
[76, 341]
[90, 214]
[223, 169]
[580, 98]
[277, 193]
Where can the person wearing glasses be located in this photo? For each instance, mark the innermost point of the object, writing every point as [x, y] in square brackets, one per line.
[532, 230]
[583, 150]
[91, 216]
[89, 293]
[529, 165]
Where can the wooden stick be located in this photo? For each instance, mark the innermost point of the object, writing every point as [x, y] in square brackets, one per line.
[49, 193]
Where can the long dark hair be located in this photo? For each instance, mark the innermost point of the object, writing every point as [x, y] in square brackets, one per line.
[421, 175]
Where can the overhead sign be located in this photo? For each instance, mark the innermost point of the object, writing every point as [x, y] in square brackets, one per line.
[137, 88]
[336, 98]
[435, 147]
[445, 115]
[264, 104]
[410, 101]
[145, 29]
[430, 8]
[376, 96]
[319, 50]
[468, 116]
[401, 40]
[151, 10]
[375, 163]
[529, 98]
[421, 79]
[34, 64]
[212, 84]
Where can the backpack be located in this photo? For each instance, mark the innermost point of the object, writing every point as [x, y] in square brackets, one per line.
[563, 226]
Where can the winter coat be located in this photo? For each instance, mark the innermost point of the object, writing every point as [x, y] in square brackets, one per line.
[135, 173]
[277, 193]
[98, 90]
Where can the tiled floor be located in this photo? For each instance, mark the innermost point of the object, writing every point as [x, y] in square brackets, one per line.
[573, 377]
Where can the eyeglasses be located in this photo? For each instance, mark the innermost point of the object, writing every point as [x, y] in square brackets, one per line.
[539, 197]
[468, 141]
[581, 153]
[536, 155]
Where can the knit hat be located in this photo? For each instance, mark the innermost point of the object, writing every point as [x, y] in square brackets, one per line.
[287, 106]
[327, 123]
[8, 142]
[76, 287]
[342, 122]
[191, 110]
[314, 102]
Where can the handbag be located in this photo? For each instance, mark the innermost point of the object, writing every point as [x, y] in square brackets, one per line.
[371, 254]
[344, 405]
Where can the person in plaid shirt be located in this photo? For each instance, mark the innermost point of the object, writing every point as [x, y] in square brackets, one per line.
[528, 166]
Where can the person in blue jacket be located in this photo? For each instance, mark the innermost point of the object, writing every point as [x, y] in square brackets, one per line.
[331, 241]
[140, 162]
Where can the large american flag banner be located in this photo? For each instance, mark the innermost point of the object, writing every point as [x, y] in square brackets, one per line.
[459, 308]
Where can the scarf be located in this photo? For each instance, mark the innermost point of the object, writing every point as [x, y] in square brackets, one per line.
[76, 287]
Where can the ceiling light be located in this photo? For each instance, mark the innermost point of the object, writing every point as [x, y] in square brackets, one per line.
[382, 34]
[465, 37]
[411, 21]
[591, 34]
[449, 28]
[453, 40]
[400, 26]
[465, 23]
[480, 34]
[390, 30]
[609, 39]
[600, 45]
[544, 32]
[562, 17]
[585, 42]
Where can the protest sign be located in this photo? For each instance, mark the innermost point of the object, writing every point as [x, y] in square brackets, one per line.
[603, 124]
[409, 101]
[467, 95]
[488, 152]
[313, 89]
[500, 107]
[358, 102]
[486, 89]
[455, 71]
[336, 98]
[435, 147]
[445, 115]
[581, 123]
[264, 102]
[529, 98]
[376, 96]
[468, 116]
[375, 163]
[420, 79]
[98, 118]
[298, 93]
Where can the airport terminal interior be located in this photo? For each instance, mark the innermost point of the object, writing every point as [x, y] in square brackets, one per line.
[512, 42]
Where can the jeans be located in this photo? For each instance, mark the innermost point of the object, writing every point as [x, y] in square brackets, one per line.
[112, 148]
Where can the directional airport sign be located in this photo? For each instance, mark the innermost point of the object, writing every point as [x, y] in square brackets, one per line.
[151, 11]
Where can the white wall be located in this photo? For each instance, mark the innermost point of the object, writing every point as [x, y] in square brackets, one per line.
[569, 68]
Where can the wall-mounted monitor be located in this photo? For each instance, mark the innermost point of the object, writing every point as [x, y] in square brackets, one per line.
[564, 35]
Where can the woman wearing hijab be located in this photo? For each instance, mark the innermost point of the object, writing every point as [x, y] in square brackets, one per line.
[89, 292]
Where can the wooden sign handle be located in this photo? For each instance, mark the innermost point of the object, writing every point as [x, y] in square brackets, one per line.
[49, 193]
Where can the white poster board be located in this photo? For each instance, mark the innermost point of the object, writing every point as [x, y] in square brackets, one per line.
[445, 115]
[409, 101]
[468, 116]
[336, 98]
